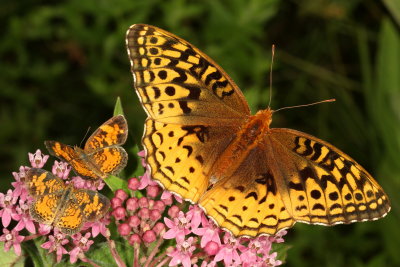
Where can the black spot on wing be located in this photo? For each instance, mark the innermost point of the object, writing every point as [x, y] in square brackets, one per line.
[184, 107]
[189, 150]
[240, 188]
[251, 194]
[318, 206]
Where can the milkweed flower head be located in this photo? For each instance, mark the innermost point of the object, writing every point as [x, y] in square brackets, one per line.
[145, 215]
[19, 226]
[180, 233]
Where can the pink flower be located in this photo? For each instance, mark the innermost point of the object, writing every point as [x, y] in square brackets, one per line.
[271, 261]
[61, 169]
[179, 227]
[132, 204]
[44, 229]
[183, 252]
[134, 239]
[78, 182]
[207, 264]
[133, 184]
[121, 194]
[81, 183]
[12, 239]
[7, 203]
[153, 191]
[278, 238]
[116, 202]
[82, 244]
[145, 181]
[166, 196]
[210, 232]
[211, 248]
[25, 220]
[124, 229]
[229, 250]
[56, 243]
[37, 160]
[196, 214]
[19, 184]
[149, 236]
[142, 154]
[119, 213]
[99, 227]
[249, 255]
[173, 211]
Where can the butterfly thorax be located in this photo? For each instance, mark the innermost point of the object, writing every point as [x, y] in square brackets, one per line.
[93, 167]
[66, 195]
[250, 134]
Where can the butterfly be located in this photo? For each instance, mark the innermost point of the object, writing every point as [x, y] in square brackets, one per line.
[203, 144]
[102, 155]
[62, 206]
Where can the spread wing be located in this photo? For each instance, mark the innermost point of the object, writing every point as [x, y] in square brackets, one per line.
[40, 182]
[80, 207]
[194, 108]
[77, 160]
[320, 184]
[111, 133]
[248, 203]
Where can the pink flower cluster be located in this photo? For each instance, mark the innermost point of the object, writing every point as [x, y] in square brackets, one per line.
[14, 206]
[196, 240]
[145, 215]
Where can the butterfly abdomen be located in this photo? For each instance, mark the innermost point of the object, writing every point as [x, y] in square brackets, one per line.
[251, 133]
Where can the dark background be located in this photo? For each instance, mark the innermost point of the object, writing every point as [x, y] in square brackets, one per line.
[63, 65]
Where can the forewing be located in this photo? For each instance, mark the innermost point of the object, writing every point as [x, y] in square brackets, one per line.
[320, 184]
[248, 203]
[40, 182]
[180, 157]
[178, 84]
[45, 207]
[62, 151]
[76, 159]
[112, 133]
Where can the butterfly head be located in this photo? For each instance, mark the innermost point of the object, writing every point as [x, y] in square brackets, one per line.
[264, 118]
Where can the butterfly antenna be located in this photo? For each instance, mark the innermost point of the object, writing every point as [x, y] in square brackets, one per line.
[270, 75]
[307, 105]
[80, 145]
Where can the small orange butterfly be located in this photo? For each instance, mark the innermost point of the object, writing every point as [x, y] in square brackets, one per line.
[203, 144]
[61, 205]
[102, 155]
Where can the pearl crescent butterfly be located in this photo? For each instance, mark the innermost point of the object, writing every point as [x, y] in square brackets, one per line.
[102, 155]
[60, 205]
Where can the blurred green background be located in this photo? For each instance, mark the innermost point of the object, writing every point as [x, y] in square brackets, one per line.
[62, 66]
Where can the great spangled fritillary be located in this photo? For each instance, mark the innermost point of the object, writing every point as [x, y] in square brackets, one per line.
[203, 144]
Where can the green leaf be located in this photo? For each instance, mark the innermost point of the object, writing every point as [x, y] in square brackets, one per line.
[9, 258]
[118, 107]
[139, 168]
[102, 256]
[39, 255]
[394, 8]
[115, 183]
[281, 249]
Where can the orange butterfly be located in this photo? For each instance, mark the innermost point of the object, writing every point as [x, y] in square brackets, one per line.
[61, 205]
[102, 155]
[203, 144]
